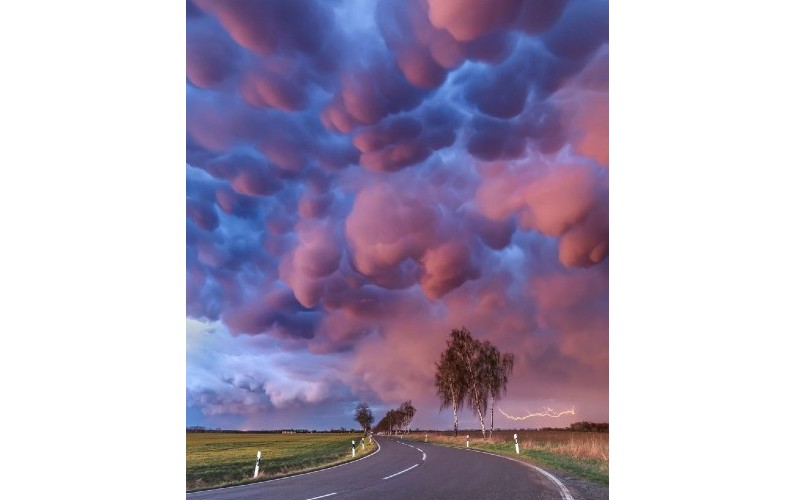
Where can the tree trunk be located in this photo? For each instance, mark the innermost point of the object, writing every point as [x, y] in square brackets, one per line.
[479, 413]
[455, 416]
[482, 420]
[492, 402]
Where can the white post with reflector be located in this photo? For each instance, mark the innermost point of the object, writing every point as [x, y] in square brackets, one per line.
[256, 468]
[362, 444]
[354, 448]
[515, 436]
[467, 440]
[425, 438]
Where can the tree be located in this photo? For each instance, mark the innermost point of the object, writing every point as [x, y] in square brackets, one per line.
[398, 419]
[364, 416]
[391, 419]
[450, 383]
[496, 369]
[395, 421]
[470, 371]
[383, 423]
[473, 366]
[406, 413]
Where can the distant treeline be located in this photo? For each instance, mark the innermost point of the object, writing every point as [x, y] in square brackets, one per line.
[397, 420]
[581, 427]
[576, 426]
[199, 428]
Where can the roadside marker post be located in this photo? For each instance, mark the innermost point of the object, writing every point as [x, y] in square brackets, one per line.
[354, 448]
[515, 436]
[256, 469]
[362, 444]
[425, 438]
[467, 440]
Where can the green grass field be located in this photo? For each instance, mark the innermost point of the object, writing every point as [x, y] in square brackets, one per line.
[225, 458]
[582, 454]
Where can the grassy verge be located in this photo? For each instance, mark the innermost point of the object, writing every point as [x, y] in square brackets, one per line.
[582, 454]
[216, 459]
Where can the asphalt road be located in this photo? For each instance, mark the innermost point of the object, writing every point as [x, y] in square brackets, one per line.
[406, 470]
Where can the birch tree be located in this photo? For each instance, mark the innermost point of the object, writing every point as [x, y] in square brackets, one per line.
[450, 383]
[497, 368]
[470, 371]
[407, 412]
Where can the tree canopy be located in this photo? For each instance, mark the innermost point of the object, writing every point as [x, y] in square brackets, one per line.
[364, 416]
[397, 420]
[470, 371]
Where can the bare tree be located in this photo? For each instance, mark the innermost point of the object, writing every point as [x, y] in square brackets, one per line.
[393, 417]
[496, 368]
[364, 416]
[450, 382]
[473, 366]
[470, 371]
[406, 413]
[383, 423]
[489, 371]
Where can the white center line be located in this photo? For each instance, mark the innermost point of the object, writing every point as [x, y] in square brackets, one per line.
[321, 496]
[406, 470]
[414, 447]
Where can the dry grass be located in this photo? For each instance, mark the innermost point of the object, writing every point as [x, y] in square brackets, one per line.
[593, 446]
[570, 443]
[582, 453]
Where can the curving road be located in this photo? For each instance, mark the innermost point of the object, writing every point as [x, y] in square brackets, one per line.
[408, 470]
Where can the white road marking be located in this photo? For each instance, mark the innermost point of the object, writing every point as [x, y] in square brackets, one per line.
[321, 496]
[290, 477]
[406, 470]
[564, 493]
[414, 447]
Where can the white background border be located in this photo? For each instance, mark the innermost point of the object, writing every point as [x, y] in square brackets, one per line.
[93, 267]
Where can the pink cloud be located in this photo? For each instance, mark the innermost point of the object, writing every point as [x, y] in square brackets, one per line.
[445, 268]
[467, 20]
[316, 257]
[566, 200]
[585, 105]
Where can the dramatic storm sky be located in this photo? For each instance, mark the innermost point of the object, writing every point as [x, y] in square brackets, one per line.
[365, 175]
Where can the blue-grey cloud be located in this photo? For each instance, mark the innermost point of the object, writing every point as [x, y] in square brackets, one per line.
[364, 176]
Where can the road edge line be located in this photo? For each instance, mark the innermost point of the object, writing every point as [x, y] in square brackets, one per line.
[564, 493]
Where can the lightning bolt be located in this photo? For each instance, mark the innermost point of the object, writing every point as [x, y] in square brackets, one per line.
[547, 412]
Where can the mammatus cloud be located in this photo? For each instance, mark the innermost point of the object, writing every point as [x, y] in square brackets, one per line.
[564, 200]
[363, 177]
[398, 238]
